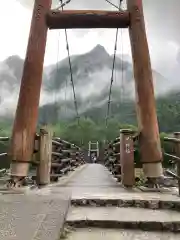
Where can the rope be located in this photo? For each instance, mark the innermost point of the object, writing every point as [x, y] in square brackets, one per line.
[122, 69]
[65, 97]
[112, 77]
[113, 66]
[70, 65]
[62, 4]
[57, 70]
[119, 8]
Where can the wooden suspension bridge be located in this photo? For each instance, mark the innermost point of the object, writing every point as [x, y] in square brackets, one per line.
[101, 195]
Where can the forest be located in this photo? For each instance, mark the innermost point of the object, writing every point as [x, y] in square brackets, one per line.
[92, 127]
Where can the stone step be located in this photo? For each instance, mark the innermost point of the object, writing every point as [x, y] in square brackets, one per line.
[107, 234]
[124, 218]
[126, 202]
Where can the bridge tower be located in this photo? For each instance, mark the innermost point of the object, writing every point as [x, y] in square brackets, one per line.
[150, 147]
[25, 122]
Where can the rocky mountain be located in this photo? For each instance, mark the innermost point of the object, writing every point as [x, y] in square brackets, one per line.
[91, 76]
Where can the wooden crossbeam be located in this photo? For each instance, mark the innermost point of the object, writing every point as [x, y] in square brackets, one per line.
[87, 19]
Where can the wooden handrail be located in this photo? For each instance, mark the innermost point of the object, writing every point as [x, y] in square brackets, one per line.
[56, 143]
[172, 140]
[172, 174]
[3, 154]
[65, 157]
[4, 139]
[175, 158]
[176, 141]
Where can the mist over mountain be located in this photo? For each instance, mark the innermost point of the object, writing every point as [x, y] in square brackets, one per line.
[92, 69]
[91, 76]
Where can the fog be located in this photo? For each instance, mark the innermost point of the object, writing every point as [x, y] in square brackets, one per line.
[162, 20]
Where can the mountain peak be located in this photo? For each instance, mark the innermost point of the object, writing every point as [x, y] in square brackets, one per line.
[99, 48]
[99, 51]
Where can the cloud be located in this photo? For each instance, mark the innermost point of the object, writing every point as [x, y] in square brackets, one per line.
[74, 4]
[162, 20]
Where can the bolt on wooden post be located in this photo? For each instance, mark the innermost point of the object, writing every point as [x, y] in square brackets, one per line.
[127, 158]
[23, 135]
[150, 147]
[177, 150]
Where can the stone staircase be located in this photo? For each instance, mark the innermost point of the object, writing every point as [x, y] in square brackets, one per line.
[125, 218]
[112, 212]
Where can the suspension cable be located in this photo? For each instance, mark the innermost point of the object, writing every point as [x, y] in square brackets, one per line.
[57, 70]
[65, 98]
[112, 77]
[113, 66]
[122, 69]
[114, 5]
[63, 4]
[70, 65]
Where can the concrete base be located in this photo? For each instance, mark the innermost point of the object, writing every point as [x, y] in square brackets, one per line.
[19, 169]
[153, 170]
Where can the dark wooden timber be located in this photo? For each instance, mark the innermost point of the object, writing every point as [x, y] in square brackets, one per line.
[87, 19]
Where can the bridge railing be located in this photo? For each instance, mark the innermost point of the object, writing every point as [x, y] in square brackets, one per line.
[174, 142]
[112, 158]
[55, 157]
[65, 157]
[2, 140]
[52, 158]
[119, 157]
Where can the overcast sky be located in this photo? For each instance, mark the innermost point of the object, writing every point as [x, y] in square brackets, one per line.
[162, 30]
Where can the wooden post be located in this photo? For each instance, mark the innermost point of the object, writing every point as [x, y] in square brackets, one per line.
[127, 158]
[177, 150]
[150, 147]
[22, 141]
[45, 156]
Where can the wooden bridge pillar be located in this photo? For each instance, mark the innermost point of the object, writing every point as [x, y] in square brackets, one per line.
[150, 148]
[127, 158]
[25, 122]
[45, 156]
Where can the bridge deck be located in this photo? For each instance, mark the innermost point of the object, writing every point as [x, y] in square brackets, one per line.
[39, 214]
[93, 180]
[93, 176]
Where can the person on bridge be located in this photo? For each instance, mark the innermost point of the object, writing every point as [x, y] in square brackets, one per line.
[93, 157]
